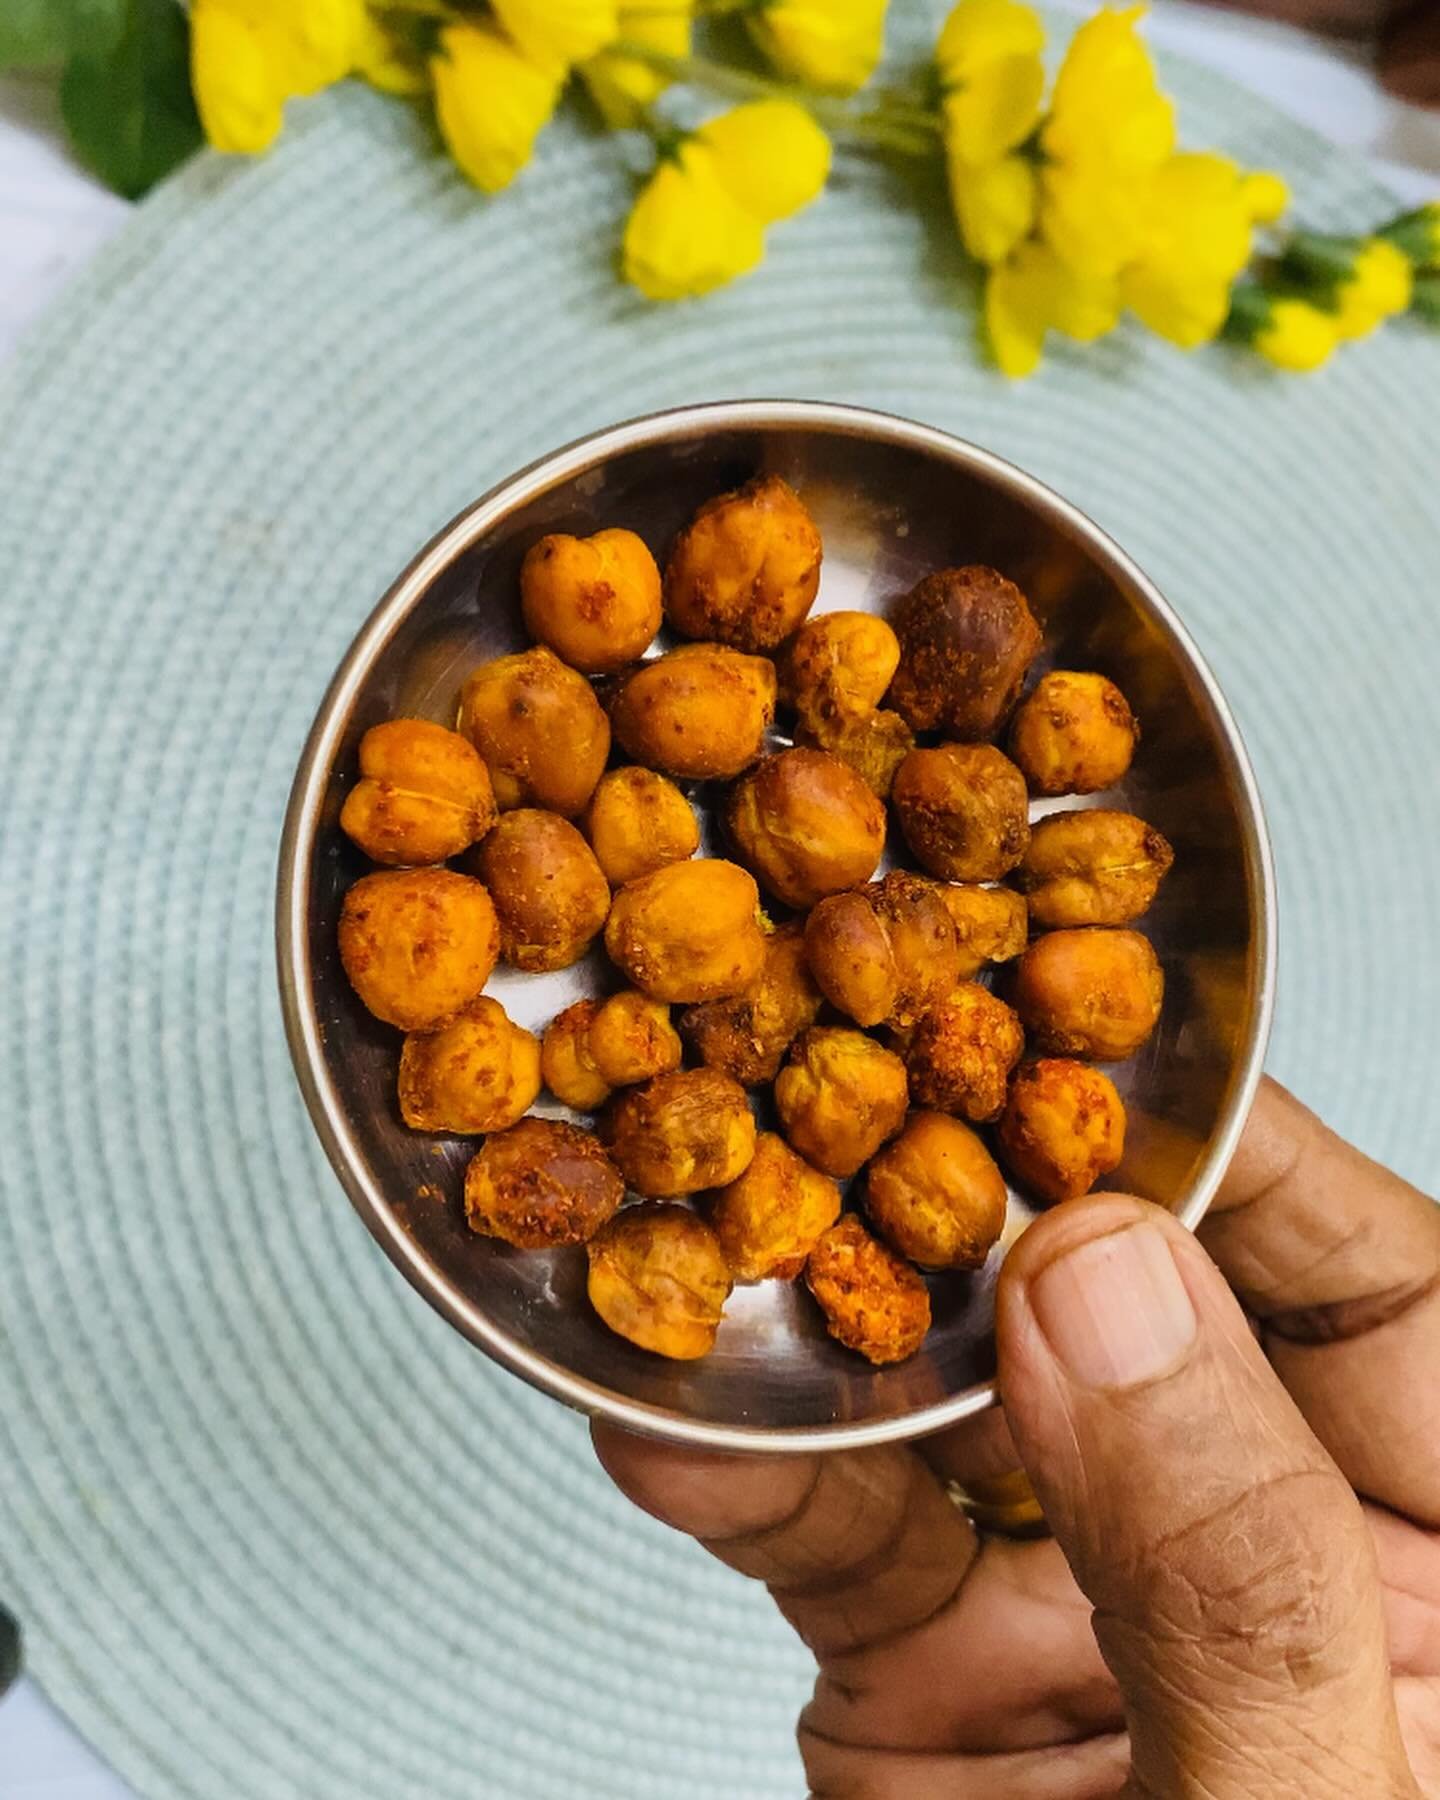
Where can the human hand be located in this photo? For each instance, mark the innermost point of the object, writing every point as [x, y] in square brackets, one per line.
[1263, 1634]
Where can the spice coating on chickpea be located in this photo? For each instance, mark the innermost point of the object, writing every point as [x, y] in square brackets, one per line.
[873, 1301]
[658, 1278]
[874, 745]
[637, 822]
[1073, 734]
[964, 811]
[595, 601]
[548, 889]
[424, 795]
[540, 1184]
[882, 953]
[691, 931]
[747, 1035]
[543, 734]
[768, 1219]
[418, 944]
[806, 825]
[991, 924]
[837, 667]
[481, 1072]
[1062, 1129]
[681, 1132]
[746, 569]
[839, 1097]
[936, 1193]
[967, 637]
[1095, 867]
[1093, 993]
[565, 1060]
[632, 1039]
[699, 712]
[961, 1054]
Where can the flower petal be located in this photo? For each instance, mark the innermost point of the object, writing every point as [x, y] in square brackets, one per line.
[994, 205]
[980, 32]
[687, 234]
[994, 110]
[559, 32]
[770, 155]
[833, 45]
[491, 102]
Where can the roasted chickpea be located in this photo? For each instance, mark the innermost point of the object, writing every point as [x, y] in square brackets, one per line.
[418, 944]
[565, 1059]
[547, 887]
[839, 1097]
[637, 822]
[874, 745]
[681, 1132]
[746, 569]
[699, 712]
[632, 1039]
[747, 1036]
[936, 1195]
[873, 1301]
[1062, 1129]
[807, 825]
[964, 810]
[658, 1278]
[690, 931]
[1089, 993]
[967, 637]
[1092, 868]
[837, 667]
[595, 601]
[540, 729]
[539, 1184]
[767, 1221]
[882, 953]
[962, 1051]
[991, 924]
[424, 794]
[481, 1072]
[1073, 734]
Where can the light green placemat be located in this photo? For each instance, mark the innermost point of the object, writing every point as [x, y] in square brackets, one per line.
[275, 1533]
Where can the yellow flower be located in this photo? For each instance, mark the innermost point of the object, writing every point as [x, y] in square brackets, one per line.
[687, 233]
[1286, 330]
[388, 61]
[1034, 293]
[828, 44]
[770, 155]
[989, 58]
[491, 101]
[624, 86]
[247, 57]
[994, 205]
[559, 32]
[1418, 235]
[1378, 287]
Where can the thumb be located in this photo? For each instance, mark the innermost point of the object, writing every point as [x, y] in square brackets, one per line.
[1234, 1586]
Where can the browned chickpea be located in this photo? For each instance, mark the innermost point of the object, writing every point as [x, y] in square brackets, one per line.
[746, 569]
[595, 601]
[418, 944]
[657, 1277]
[424, 794]
[637, 822]
[767, 1221]
[991, 924]
[747, 1036]
[690, 931]
[837, 666]
[1063, 1128]
[539, 1184]
[874, 745]
[882, 953]
[961, 1053]
[632, 1039]
[964, 810]
[1092, 868]
[700, 712]
[681, 1132]
[1073, 734]
[967, 637]
[565, 1059]
[481, 1072]
[936, 1195]
[1090, 993]
[540, 729]
[839, 1097]
[873, 1301]
[807, 825]
[547, 887]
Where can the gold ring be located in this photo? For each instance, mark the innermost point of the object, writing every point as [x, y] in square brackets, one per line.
[1004, 1505]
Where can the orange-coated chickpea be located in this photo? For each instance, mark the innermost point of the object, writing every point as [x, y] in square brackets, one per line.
[637, 822]
[964, 811]
[595, 1046]
[807, 825]
[424, 794]
[839, 1097]
[1062, 1129]
[747, 1036]
[1092, 993]
[691, 931]
[769, 1218]
[658, 1278]
[884, 953]
[873, 745]
[746, 569]
[991, 924]
[962, 1051]
[1095, 867]
[547, 887]
[699, 712]
[837, 666]
[936, 1195]
[595, 601]
[681, 1132]
[1073, 734]
[543, 734]
[540, 1184]
[967, 636]
[481, 1072]
[418, 944]
[565, 1060]
[873, 1301]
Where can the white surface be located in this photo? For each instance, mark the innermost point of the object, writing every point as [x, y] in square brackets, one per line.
[53, 217]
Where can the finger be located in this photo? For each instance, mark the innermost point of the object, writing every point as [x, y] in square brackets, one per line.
[1339, 1260]
[1234, 1581]
[1091, 1770]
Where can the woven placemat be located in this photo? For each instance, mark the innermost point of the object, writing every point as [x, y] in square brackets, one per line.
[273, 1530]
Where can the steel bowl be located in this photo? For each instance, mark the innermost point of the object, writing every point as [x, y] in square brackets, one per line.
[893, 501]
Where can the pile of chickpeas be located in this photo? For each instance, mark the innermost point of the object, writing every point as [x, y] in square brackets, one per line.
[853, 1000]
